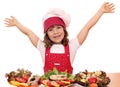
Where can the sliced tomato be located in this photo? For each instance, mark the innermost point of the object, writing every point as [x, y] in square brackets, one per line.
[61, 83]
[92, 80]
[25, 77]
[41, 81]
[21, 80]
[49, 83]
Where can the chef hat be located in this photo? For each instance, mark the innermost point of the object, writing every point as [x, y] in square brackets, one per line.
[56, 16]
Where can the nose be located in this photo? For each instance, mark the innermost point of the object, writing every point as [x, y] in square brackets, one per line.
[55, 30]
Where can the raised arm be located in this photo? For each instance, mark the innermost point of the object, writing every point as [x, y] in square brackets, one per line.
[14, 22]
[105, 8]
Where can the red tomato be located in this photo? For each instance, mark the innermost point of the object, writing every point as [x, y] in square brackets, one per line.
[25, 77]
[92, 80]
[49, 84]
[21, 80]
[41, 81]
[61, 83]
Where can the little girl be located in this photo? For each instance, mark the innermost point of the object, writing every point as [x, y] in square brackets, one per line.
[56, 49]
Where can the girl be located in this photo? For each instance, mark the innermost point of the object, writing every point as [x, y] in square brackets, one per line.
[56, 49]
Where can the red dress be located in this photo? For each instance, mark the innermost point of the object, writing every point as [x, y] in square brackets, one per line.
[61, 61]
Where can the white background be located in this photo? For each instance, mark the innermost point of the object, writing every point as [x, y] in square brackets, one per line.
[100, 51]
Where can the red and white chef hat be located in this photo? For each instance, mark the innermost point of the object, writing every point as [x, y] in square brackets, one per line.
[56, 16]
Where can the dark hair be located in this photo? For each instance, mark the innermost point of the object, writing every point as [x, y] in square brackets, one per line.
[49, 43]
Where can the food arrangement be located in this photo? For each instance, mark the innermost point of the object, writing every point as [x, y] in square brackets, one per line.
[92, 79]
[55, 78]
[19, 77]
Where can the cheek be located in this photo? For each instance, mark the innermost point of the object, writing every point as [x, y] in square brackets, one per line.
[63, 33]
[49, 35]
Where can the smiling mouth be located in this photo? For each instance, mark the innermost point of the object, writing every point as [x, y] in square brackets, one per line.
[58, 36]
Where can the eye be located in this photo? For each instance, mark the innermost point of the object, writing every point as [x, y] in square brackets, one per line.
[50, 29]
[59, 27]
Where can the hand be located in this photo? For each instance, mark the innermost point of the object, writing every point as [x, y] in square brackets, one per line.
[108, 7]
[9, 22]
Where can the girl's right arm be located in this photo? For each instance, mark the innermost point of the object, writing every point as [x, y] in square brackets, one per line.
[105, 8]
[14, 22]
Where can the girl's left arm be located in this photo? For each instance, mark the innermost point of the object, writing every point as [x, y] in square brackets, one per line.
[105, 8]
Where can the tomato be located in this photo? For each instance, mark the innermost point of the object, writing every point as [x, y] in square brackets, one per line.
[92, 80]
[25, 77]
[49, 84]
[41, 81]
[21, 80]
[61, 83]
[44, 82]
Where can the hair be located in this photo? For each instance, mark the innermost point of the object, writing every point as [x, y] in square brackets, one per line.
[49, 43]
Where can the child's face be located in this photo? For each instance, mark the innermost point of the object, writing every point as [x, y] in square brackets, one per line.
[56, 33]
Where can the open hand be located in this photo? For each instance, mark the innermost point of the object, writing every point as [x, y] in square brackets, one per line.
[108, 7]
[9, 22]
